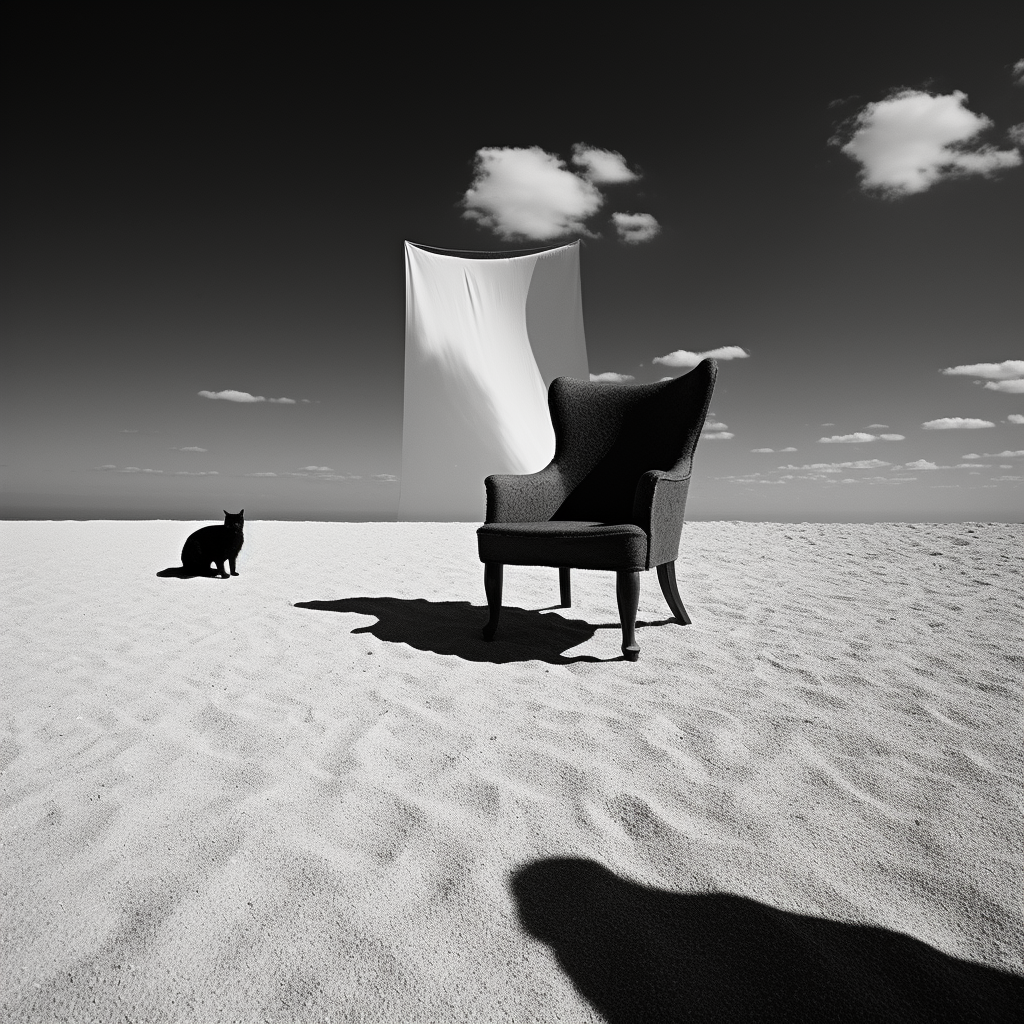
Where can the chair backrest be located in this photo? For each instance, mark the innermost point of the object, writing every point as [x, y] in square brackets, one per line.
[608, 435]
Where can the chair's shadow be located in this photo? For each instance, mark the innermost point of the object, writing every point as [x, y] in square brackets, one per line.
[454, 627]
[642, 955]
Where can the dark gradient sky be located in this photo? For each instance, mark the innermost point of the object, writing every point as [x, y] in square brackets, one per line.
[229, 214]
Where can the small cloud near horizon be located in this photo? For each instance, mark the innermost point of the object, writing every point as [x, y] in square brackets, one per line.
[996, 455]
[1009, 387]
[317, 469]
[244, 396]
[1015, 417]
[993, 371]
[835, 467]
[772, 450]
[387, 478]
[683, 357]
[611, 377]
[859, 437]
[1017, 72]
[189, 449]
[714, 430]
[913, 139]
[956, 423]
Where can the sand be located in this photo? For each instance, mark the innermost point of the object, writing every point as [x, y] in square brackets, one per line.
[313, 792]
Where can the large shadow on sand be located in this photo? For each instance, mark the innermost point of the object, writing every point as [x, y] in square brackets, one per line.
[453, 627]
[643, 955]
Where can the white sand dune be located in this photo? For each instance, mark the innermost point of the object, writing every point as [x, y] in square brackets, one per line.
[313, 792]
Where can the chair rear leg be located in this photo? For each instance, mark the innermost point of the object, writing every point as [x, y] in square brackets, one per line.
[667, 579]
[564, 588]
[627, 593]
[492, 588]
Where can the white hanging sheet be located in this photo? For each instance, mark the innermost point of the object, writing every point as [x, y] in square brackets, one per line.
[483, 340]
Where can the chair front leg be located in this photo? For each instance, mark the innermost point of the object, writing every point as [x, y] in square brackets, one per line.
[492, 588]
[627, 593]
[564, 587]
[667, 579]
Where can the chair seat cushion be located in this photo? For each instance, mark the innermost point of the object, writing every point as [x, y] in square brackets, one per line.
[569, 543]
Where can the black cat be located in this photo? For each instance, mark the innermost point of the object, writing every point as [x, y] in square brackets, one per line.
[215, 544]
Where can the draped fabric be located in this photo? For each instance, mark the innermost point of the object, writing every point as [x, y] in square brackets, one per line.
[484, 337]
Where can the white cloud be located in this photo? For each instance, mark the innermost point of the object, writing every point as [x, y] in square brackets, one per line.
[787, 449]
[1015, 417]
[233, 396]
[956, 423]
[834, 467]
[1004, 478]
[200, 472]
[602, 166]
[922, 464]
[107, 467]
[244, 396]
[634, 228]
[1011, 387]
[611, 377]
[878, 426]
[892, 437]
[997, 455]
[1018, 72]
[993, 371]
[317, 469]
[1015, 133]
[387, 478]
[528, 193]
[714, 430]
[135, 469]
[190, 449]
[856, 438]
[682, 357]
[762, 449]
[261, 474]
[911, 140]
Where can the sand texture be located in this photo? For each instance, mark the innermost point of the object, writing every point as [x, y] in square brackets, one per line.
[314, 793]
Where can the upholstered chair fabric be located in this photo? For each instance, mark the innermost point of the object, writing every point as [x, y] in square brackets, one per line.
[614, 495]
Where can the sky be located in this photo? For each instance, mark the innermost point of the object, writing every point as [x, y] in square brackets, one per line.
[835, 209]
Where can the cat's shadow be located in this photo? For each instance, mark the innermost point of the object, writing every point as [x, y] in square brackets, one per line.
[179, 572]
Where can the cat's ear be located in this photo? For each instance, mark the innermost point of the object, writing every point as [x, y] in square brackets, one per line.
[242, 513]
[225, 511]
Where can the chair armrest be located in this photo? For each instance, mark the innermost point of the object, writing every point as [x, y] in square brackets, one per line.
[525, 497]
[658, 507]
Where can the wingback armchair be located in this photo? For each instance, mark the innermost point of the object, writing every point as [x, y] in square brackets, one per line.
[612, 497]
